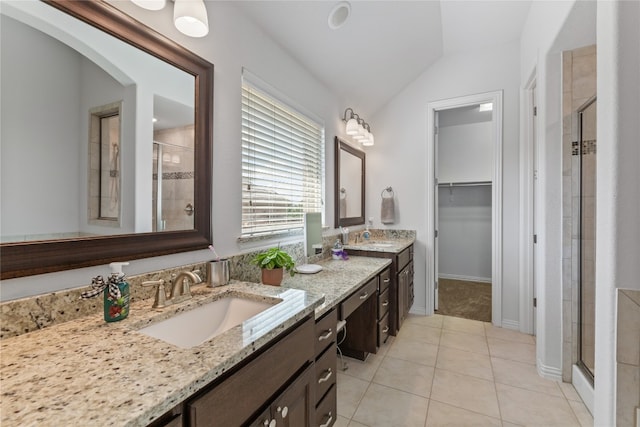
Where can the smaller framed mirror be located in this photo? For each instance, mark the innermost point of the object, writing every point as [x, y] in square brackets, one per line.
[349, 184]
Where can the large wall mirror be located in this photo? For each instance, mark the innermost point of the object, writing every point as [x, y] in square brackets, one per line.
[349, 184]
[106, 139]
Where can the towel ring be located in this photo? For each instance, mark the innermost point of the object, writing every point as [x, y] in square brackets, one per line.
[343, 194]
[388, 189]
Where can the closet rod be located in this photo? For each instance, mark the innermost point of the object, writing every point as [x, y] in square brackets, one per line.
[464, 184]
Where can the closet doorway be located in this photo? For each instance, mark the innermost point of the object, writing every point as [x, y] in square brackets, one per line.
[465, 186]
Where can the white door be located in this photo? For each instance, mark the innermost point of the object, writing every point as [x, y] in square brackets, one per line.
[435, 213]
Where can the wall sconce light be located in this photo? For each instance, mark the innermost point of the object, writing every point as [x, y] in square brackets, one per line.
[357, 128]
[189, 16]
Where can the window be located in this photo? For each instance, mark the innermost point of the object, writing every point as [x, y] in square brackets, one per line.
[282, 164]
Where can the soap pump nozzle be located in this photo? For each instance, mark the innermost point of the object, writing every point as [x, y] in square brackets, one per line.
[116, 268]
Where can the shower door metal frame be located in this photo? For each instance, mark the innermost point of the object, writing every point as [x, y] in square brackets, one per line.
[583, 367]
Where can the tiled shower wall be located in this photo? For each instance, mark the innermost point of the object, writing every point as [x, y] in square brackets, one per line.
[628, 358]
[578, 86]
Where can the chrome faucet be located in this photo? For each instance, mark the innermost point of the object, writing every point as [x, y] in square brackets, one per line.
[180, 288]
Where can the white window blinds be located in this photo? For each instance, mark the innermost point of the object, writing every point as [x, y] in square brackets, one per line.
[282, 165]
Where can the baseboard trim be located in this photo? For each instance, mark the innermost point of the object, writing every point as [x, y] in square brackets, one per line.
[421, 311]
[511, 324]
[549, 372]
[583, 387]
[464, 278]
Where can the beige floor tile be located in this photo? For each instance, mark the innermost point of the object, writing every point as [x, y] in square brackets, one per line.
[350, 391]
[463, 341]
[582, 413]
[341, 422]
[406, 376]
[384, 348]
[510, 350]
[507, 334]
[533, 408]
[507, 424]
[523, 375]
[387, 407]
[420, 333]
[463, 325]
[359, 369]
[443, 415]
[463, 391]
[569, 391]
[414, 351]
[356, 424]
[465, 362]
[434, 321]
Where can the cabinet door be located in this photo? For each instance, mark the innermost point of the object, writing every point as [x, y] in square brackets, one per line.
[295, 407]
[402, 296]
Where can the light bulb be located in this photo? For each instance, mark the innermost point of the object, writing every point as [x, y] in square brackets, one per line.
[190, 17]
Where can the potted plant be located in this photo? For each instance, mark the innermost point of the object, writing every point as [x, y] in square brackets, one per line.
[273, 262]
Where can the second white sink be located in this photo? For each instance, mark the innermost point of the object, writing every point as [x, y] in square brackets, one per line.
[193, 327]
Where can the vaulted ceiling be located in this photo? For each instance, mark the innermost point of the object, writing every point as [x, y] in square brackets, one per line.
[384, 45]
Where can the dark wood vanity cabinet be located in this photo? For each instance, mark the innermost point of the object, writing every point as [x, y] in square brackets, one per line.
[384, 303]
[325, 369]
[276, 384]
[400, 285]
[360, 310]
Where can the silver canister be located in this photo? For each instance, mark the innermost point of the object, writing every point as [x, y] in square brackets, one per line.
[218, 273]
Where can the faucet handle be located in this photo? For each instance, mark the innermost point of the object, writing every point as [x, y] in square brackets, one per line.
[160, 300]
[199, 276]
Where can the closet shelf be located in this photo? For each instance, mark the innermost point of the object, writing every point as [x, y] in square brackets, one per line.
[464, 184]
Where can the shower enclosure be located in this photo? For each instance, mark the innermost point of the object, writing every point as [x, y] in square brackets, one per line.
[173, 187]
[586, 150]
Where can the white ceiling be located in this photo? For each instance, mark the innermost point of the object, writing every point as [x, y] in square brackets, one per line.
[384, 45]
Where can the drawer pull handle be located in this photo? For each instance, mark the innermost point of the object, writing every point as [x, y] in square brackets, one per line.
[326, 377]
[284, 411]
[364, 296]
[386, 280]
[328, 423]
[385, 330]
[268, 423]
[326, 335]
[386, 303]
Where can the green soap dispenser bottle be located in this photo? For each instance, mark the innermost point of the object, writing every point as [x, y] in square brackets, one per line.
[116, 294]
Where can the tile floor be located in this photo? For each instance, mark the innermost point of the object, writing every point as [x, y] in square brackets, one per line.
[449, 371]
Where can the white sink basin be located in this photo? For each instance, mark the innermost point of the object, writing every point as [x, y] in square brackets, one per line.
[193, 327]
[382, 244]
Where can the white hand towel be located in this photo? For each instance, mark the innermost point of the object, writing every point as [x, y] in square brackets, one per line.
[388, 210]
[343, 207]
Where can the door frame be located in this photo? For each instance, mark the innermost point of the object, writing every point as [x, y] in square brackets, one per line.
[496, 193]
[529, 152]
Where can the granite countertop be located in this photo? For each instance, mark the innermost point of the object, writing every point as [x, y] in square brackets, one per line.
[393, 246]
[338, 279]
[88, 372]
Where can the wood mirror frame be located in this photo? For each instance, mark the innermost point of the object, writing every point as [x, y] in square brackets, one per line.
[341, 146]
[38, 257]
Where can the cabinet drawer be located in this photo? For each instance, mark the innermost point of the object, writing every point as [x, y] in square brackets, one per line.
[326, 331]
[383, 303]
[385, 280]
[326, 372]
[404, 257]
[240, 395]
[353, 302]
[383, 330]
[326, 411]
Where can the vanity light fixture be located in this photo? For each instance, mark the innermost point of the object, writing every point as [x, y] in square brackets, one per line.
[486, 107]
[150, 4]
[357, 128]
[189, 16]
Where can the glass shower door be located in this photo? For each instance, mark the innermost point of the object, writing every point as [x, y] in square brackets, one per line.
[587, 236]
